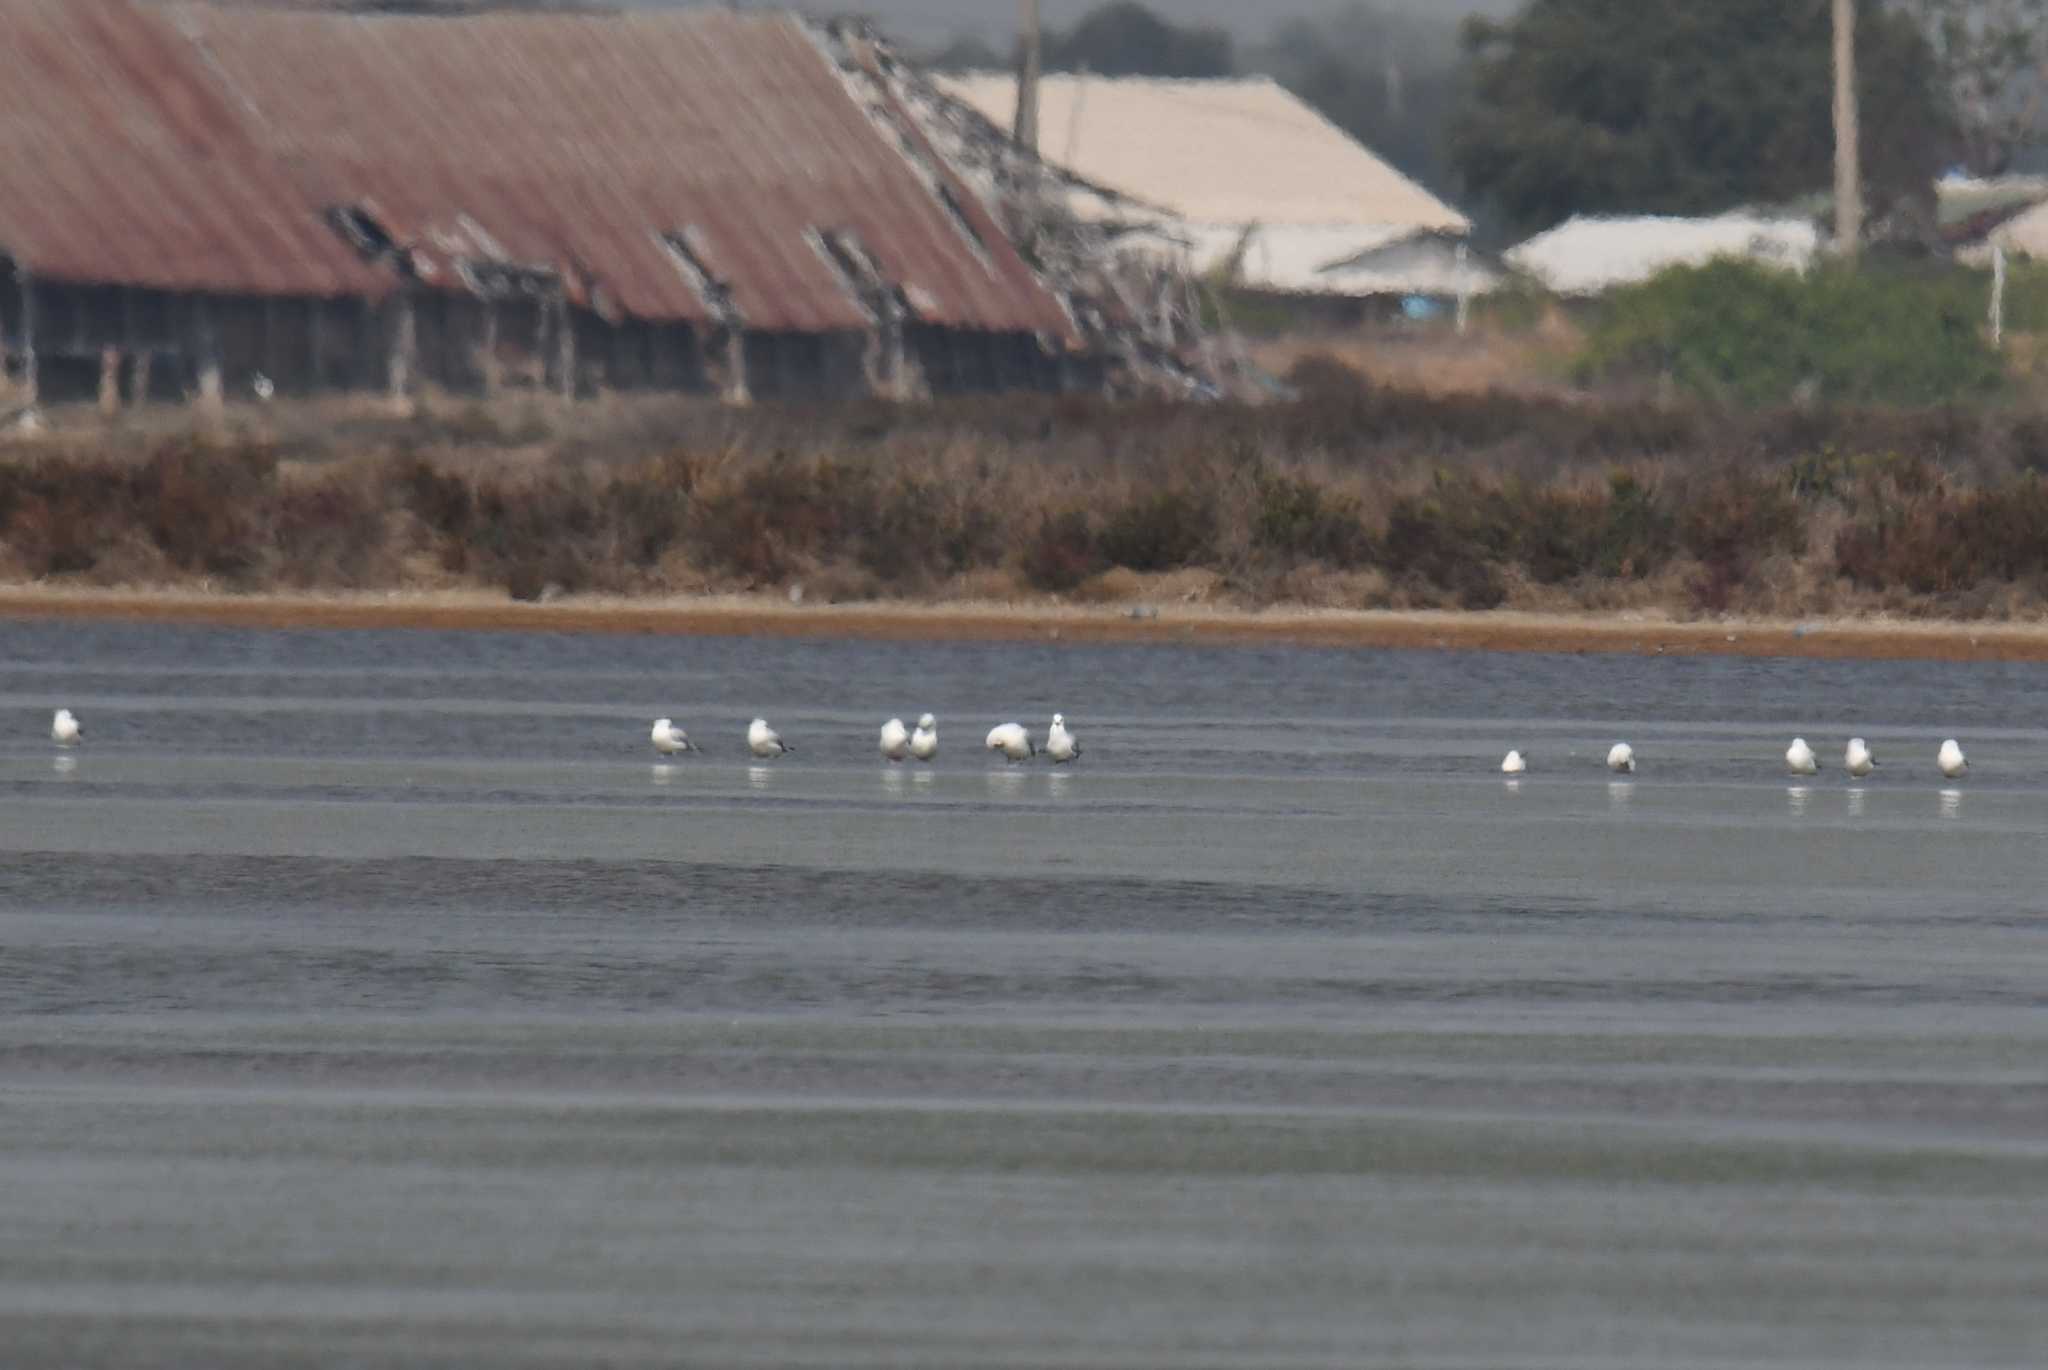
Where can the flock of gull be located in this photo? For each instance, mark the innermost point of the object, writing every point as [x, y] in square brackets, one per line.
[1011, 740]
[1857, 759]
[897, 742]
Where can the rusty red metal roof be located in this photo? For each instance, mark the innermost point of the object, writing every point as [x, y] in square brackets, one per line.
[579, 143]
[121, 161]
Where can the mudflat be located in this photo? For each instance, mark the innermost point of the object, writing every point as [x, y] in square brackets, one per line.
[1874, 639]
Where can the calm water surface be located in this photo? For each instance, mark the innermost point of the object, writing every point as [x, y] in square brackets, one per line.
[373, 999]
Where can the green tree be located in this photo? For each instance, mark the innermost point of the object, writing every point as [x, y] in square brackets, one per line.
[1757, 335]
[1992, 55]
[1124, 38]
[967, 52]
[1685, 107]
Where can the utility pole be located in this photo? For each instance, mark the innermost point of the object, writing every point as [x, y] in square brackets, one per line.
[1848, 169]
[1030, 44]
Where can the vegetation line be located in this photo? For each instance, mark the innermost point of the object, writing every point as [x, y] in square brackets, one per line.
[1352, 498]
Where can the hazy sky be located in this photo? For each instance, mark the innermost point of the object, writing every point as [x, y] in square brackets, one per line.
[932, 20]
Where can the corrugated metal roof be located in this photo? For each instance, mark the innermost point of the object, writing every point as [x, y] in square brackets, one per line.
[121, 161]
[1586, 255]
[1223, 152]
[579, 141]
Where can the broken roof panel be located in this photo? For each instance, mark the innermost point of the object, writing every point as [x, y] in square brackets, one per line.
[593, 144]
[121, 161]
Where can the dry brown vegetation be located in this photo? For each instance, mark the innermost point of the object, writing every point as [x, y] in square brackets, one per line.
[1352, 497]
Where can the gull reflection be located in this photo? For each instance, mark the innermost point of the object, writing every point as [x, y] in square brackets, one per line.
[1619, 792]
[893, 781]
[1796, 797]
[64, 765]
[1056, 784]
[760, 777]
[922, 778]
[1951, 803]
[1856, 798]
[1512, 785]
[1007, 782]
[661, 775]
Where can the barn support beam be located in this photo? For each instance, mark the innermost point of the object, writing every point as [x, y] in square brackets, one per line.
[212, 395]
[29, 387]
[565, 348]
[733, 353]
[269, 347]
[405, 346]
[110, 380]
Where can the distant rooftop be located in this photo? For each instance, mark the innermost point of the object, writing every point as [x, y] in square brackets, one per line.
[1213, 151]
[1586, 255]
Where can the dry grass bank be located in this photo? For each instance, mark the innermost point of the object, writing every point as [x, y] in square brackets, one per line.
[1356, 498]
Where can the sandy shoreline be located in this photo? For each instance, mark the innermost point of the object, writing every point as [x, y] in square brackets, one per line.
[745, 616]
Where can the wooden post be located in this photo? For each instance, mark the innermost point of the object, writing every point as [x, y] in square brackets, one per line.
[405, 341]
[110, 380]
[565, 348]
[138, 376]
[737, 391]
[211, 395]
[29, 378]
[1997, 294]
[1024, 133]
[1848, 167]
[1464, 286]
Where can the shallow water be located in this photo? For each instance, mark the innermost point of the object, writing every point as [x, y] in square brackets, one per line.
[373, 998]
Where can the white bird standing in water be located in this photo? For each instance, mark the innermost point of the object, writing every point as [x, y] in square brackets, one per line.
[924, 743]
[763, 741]
[668, 739]
[1513, 764]
[1800, 760]
[1951, 760]
[1858, 760]
[1622, 757]
[1061, 745]
[1012, 741]
[895, 740]
[64, 729]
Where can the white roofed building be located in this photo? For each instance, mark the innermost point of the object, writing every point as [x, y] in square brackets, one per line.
[1252, 182]
[1588, 255]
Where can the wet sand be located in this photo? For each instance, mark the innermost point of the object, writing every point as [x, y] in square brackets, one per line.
[775, 617]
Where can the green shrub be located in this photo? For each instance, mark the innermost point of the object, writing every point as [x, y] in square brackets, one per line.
[210, 509]
[1751, 335]
[1299, 520]
[1160, 532]
[1061, 553]
[1457, 537]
